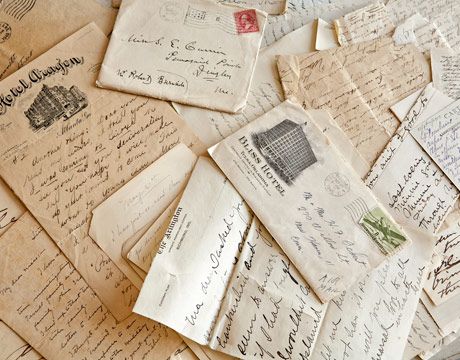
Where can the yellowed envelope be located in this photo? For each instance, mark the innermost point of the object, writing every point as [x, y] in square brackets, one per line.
[28, 28]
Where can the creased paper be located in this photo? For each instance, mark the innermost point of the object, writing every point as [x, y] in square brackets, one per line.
[357, 84]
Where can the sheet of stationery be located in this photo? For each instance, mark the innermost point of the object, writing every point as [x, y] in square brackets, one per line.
[230, 179]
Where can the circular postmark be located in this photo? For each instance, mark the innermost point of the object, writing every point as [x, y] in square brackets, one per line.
[337, 184]
[171, 11]
[5, 31]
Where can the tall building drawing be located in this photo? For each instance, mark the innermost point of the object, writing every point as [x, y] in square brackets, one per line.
[55, 103]
[286, 149]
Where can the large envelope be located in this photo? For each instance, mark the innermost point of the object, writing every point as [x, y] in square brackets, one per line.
[65, 146]
[194, 52]
[19, 45]
[315, 206]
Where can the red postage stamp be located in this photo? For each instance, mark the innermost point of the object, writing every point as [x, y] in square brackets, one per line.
[246, 21]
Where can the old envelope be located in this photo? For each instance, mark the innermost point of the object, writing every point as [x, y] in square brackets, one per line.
[312, 202]
[65, 146]
[138, 203]
[17, 17]
[221, 280]
[273, 7]
[193, 52]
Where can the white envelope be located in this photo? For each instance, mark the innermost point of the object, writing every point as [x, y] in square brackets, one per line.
[194, 52]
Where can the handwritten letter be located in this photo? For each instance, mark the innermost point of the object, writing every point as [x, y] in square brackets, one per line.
[368, 23]
[405, 179]
[63, 161]
[356, 84]
[440, 137]
[446, 71]
[45, 300]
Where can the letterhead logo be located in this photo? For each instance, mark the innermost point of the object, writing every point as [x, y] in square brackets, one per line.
[286, 149]
[55, 103]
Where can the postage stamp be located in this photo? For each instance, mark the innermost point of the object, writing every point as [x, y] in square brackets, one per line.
[382, 230]
[246, 21]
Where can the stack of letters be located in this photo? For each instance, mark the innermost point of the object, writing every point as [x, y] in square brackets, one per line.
[217, 179]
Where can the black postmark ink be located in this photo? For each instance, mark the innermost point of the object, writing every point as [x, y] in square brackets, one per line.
[171, 11]
[5, 31]
[337, 184]
[18, 8]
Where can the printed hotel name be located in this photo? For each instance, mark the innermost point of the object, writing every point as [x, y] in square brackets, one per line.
[36, 76]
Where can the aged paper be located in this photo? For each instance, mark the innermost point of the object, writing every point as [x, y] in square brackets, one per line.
[424, 333]
[368, 23]
[200, 54]
[357, 84]
[446, 349]
[405, 179]
[206, 353]
[11, 208]
[138, 203]
[143, 252]
[304, 12]
[65, 146]
[45, 300]
[209, 222]
[183, 352]
[265, 93]
[17, 17]
[268, 310]
[267, 307]
[373, 318]
[328, 223]
[337, 137]
[445, 65]
[444, 280]
[274, 7]
[326, 37]
[15, 348]
[402, 108]
[439, 135]
[446, 315]
[443, 13]
[421, 32]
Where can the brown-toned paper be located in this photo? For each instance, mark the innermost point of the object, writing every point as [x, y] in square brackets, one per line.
[14, 347]
[368, 23]
[66, 145]
[28, 28]
[45, 300]
[357, 84]
[193, 52]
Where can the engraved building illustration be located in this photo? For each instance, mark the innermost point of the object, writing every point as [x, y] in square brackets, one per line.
[286, 148]
[55, 103]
